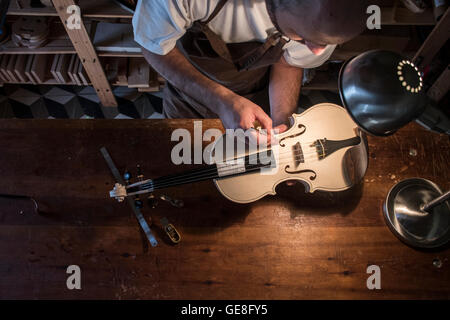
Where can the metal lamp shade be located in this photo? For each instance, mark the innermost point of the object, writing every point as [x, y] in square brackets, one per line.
[382, 91]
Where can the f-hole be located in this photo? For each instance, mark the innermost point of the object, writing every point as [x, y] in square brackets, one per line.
[301, 127]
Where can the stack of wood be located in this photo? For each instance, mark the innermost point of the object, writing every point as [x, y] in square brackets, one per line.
[68, 68]
[42, 69]
[22, 68]
[132, 72]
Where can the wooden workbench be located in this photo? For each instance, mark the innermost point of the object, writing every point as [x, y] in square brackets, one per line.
[291, 246]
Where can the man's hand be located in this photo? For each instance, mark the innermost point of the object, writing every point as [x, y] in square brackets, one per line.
[239, 112]
[280, 129]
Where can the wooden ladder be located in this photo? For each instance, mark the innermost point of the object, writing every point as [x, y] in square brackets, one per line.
[87, 54]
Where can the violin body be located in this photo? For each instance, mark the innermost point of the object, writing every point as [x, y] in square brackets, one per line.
[323, 149]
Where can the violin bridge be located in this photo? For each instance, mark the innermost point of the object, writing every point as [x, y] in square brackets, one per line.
[298, 154]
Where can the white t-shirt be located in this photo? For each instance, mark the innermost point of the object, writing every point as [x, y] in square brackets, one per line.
[158, 24]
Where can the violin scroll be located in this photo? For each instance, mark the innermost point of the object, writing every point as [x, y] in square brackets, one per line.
[119, 192]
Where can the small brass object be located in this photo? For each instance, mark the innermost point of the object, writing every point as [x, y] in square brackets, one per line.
[173, 234]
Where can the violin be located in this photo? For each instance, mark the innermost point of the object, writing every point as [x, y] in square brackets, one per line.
[323, 149]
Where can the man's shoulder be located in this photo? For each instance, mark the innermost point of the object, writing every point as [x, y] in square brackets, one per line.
[188, 8]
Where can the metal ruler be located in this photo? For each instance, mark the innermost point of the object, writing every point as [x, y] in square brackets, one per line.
[139, 216]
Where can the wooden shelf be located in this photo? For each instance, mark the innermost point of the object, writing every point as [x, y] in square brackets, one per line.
[117, 75]
[54, 82]
[52, 47]
[47, 82]
[119, 54]
[321, 81]
[89, 9]
[109, 9]
[59, 42]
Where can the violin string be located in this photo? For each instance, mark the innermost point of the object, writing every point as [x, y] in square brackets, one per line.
[213, 173]
[207, 174]
[309, 145]
[189, 180]
[278, 153]
[192, 179]
[303, 145]
[302, 142]
[287, 153]
[280, 162]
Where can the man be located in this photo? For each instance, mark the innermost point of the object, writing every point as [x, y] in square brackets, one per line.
[216, 54]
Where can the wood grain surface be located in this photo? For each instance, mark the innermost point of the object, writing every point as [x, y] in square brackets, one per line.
[290, 246]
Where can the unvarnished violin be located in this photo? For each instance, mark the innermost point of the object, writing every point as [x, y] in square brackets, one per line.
[323, 149]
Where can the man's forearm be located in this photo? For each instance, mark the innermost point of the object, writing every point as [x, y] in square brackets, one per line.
[182, 74]
[284, 91]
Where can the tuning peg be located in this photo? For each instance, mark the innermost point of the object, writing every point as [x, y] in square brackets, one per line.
[127, 176]
[140, 176]
[174, 202]
[138, 203]
[152, 201]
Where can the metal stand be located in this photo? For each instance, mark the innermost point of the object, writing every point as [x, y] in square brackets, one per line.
[418, 213]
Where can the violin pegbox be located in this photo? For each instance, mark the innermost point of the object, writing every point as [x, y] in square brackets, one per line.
[119, 192]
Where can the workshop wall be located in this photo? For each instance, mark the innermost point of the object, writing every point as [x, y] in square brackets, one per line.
[74, 102]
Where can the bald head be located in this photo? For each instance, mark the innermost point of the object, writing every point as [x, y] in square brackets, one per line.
[321, 22]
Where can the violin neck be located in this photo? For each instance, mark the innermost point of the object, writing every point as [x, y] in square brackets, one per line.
[214, 171]
[205, 173]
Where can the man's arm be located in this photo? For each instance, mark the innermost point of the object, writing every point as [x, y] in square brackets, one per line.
[235, 111]
[284, 91]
